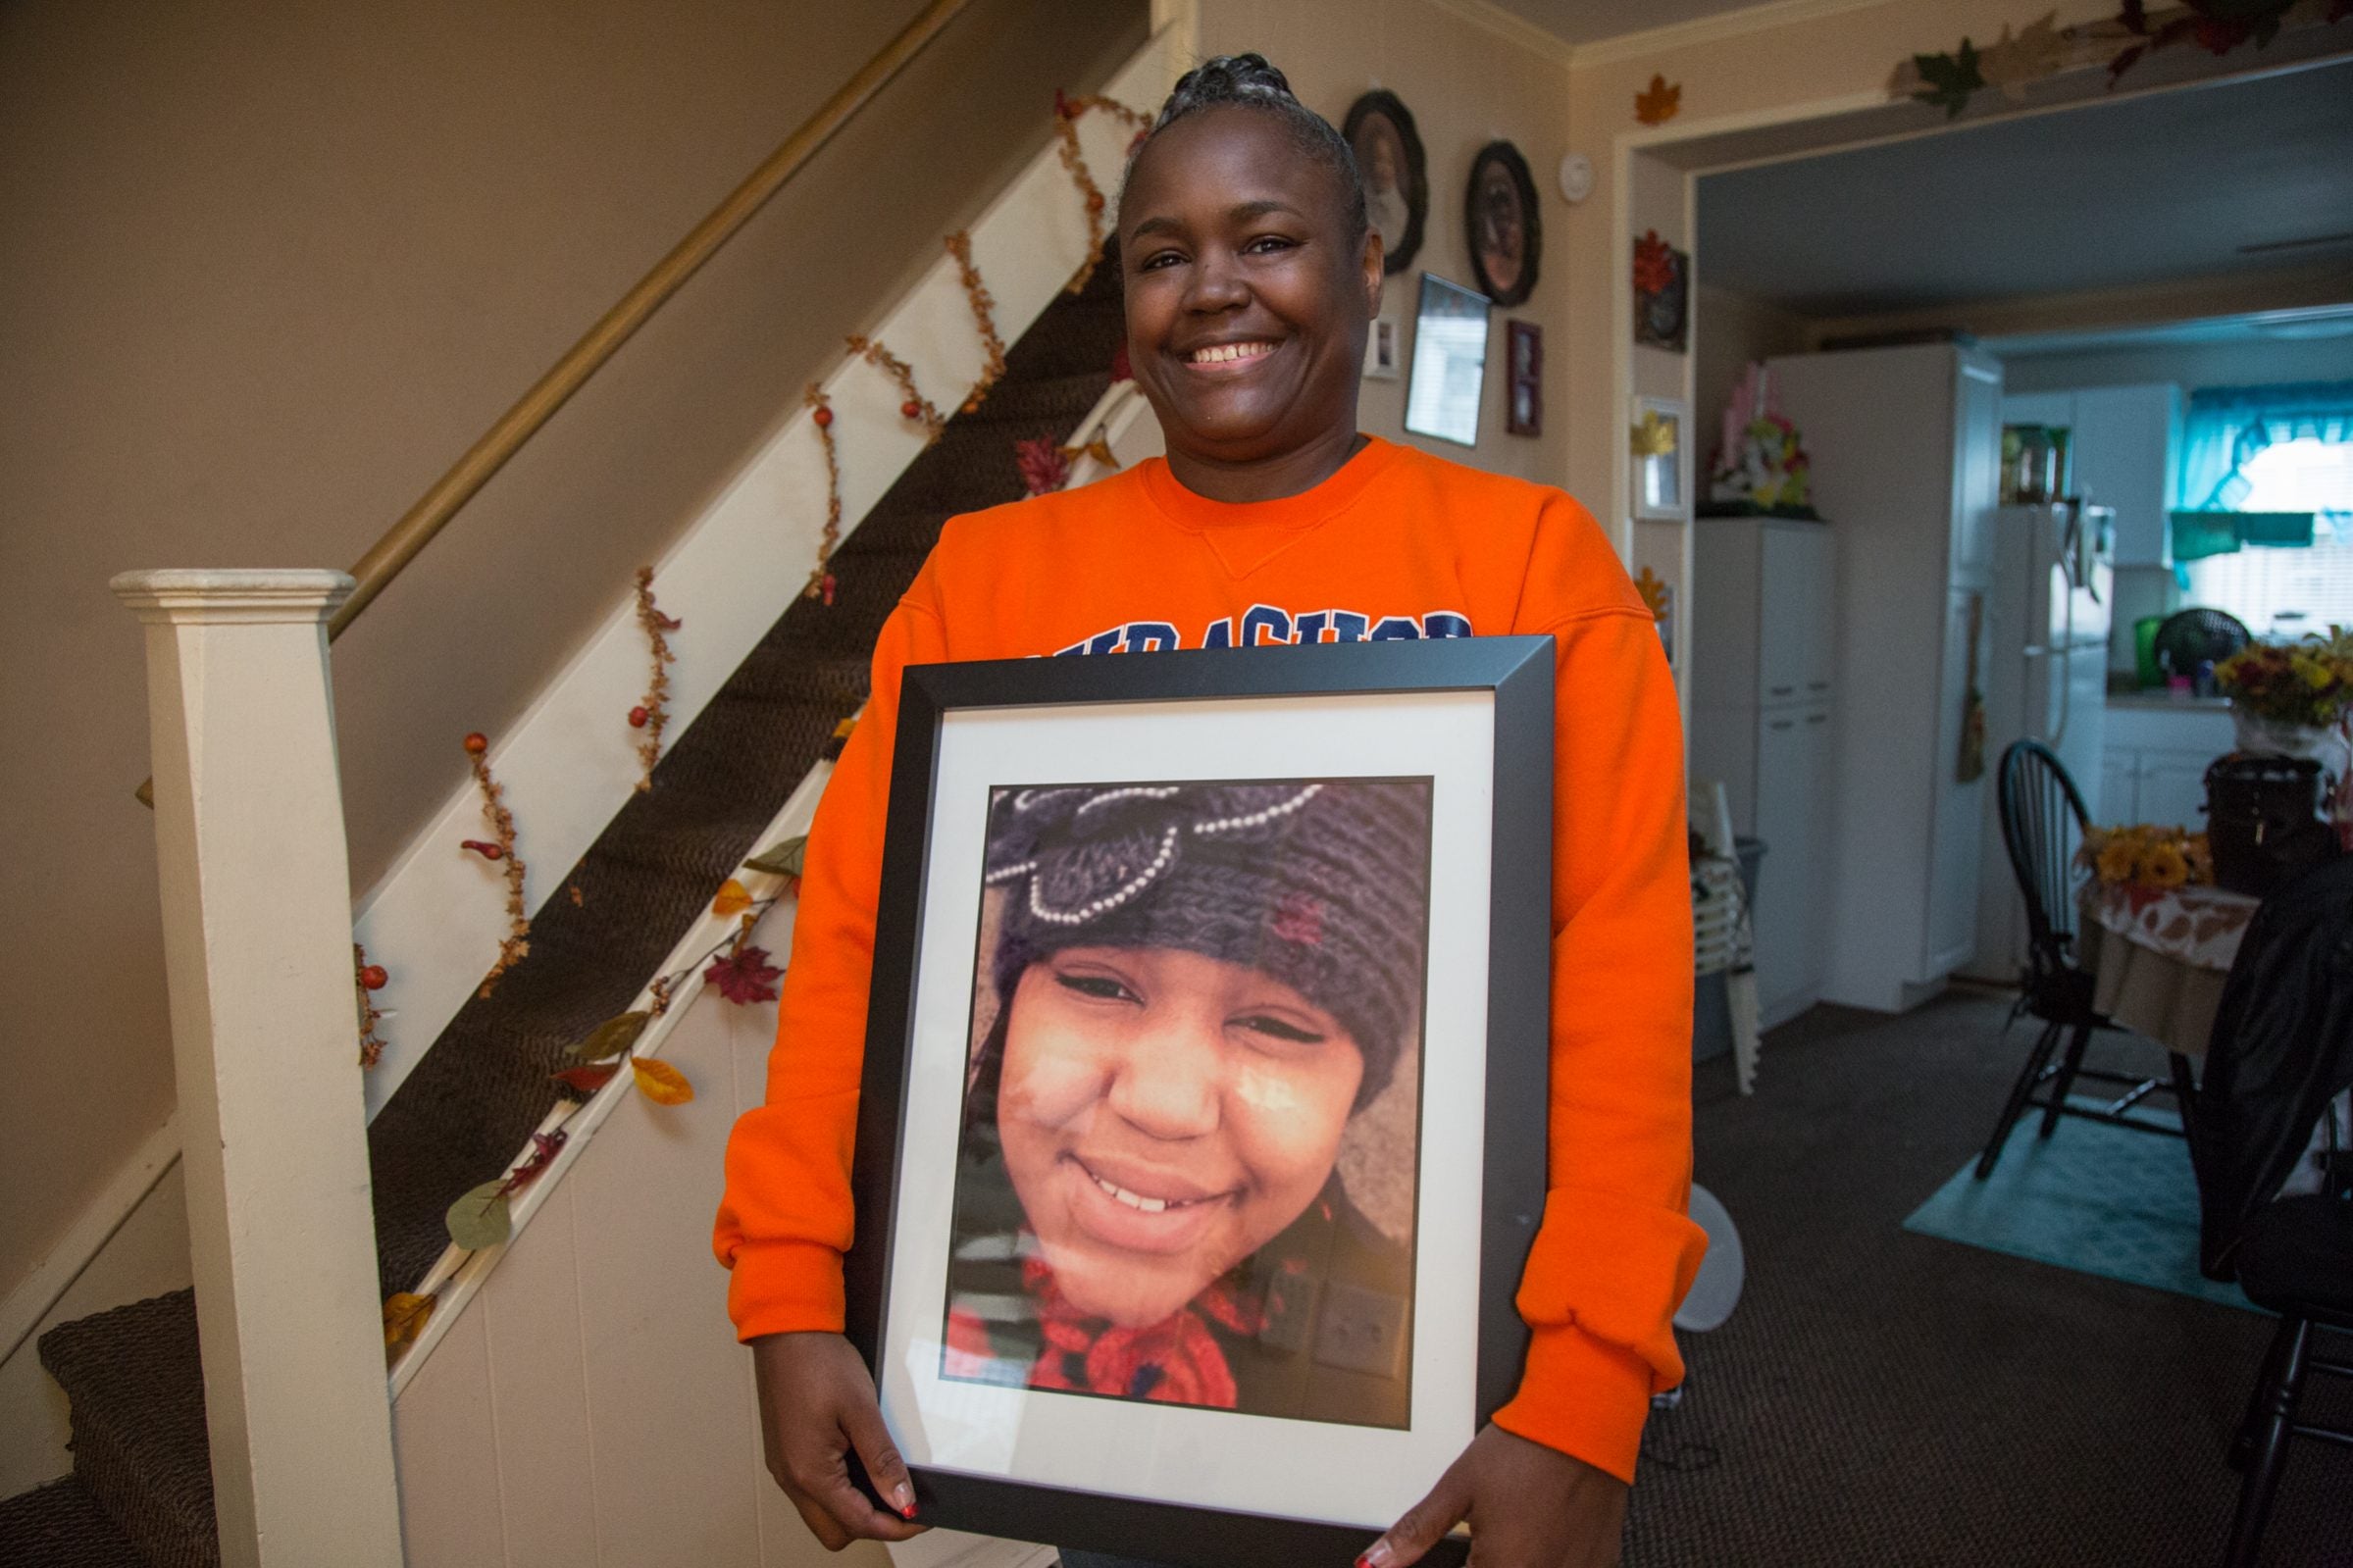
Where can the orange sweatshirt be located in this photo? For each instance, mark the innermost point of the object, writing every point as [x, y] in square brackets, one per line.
[1395, 545]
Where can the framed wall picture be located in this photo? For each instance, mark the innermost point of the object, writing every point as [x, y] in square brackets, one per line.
[1384, 353]
[1659, 441]
[1380, 131]
[1112, 1296]
[1450, 363]
[1661, 294]
[1523, 356]
[1500, 219]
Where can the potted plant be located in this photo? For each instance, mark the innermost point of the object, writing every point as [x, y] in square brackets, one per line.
[2295, 700]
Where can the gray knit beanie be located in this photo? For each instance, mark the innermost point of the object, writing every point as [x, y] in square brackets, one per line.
[1324, 886]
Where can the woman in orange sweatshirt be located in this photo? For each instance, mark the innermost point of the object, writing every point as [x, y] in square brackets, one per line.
[1250, 275]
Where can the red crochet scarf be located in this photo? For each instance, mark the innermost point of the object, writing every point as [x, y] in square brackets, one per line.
[1175, 1361]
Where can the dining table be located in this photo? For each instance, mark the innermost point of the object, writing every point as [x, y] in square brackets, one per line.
[2159, 956]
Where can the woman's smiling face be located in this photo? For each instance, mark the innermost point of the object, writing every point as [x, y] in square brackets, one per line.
[1164, 1115]
[1246, 293]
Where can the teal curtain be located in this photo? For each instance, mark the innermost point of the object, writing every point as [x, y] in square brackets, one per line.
[2228, 426]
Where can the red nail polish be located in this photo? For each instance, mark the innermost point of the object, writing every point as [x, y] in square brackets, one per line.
[911, 1510]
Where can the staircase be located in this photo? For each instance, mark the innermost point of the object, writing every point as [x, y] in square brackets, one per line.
[140, 1495]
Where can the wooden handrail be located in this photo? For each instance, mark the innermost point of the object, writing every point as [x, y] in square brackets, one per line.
[416, 528]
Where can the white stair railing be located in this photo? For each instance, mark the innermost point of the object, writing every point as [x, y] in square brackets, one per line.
[257, 954]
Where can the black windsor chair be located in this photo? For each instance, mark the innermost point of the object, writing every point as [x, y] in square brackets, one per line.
[2043, 822]
[2273, 1103]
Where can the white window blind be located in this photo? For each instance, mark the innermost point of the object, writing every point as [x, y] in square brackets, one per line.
[2287, 592]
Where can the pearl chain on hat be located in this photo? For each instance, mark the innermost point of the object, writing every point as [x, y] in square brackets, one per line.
[1096, 908]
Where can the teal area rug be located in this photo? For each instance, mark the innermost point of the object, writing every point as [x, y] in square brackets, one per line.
[2094, 1199]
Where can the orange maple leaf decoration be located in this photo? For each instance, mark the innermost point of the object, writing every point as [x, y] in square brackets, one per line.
[1657, 103]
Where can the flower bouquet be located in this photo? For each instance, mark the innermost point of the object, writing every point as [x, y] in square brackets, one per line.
[1761, 465]
[2147, 857]
[2295, 700]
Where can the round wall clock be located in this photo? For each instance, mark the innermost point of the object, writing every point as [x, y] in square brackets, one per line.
[1499, 214]
[1397, 188]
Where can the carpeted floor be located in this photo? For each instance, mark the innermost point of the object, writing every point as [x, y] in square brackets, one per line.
[1883, 1398]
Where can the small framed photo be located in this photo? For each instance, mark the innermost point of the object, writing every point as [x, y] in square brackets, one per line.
[1384, 357]
[1202, 1135]
[1661, 294]
[1450, 363]
[1660, 445]
[1523, 407]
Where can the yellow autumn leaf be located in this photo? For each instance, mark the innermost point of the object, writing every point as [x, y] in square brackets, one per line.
[405, 1317]
[661, 1083]
[733, 899]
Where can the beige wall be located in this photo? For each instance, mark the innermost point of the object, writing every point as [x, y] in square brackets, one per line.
[1467, 85]
[272, 266]
[1733, 329]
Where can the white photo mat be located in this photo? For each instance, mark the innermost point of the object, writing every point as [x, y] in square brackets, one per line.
[1222, 1459]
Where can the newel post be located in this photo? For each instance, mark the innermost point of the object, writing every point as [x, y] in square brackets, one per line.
[257, 950]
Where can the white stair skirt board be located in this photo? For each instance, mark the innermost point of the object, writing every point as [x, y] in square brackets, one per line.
[437, 917]
[606, 1299]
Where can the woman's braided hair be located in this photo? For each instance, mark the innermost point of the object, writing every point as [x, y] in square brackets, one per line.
[1248, 81]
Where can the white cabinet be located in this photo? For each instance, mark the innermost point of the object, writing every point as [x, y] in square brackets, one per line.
[1793, 780]
[1906, 447]
[2153, 764]
[2122, 441]
[1763, 655]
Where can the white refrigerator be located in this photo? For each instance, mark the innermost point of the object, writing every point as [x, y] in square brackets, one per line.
[2046, 679]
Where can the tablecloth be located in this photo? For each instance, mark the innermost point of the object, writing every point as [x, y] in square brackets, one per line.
[2159, 958]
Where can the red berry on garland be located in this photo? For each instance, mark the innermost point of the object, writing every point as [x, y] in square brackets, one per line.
[488, 851]
[911, 409]
[825, 417]
[477, 744]
[374, 977]
[1094, 201]
[825, 589]
[637, 718]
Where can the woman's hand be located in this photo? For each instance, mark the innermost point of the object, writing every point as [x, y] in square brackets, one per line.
[816, 1404]
[1529, 1506]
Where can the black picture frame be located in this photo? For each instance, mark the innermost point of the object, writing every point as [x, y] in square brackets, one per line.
[1502, 223]
[1518, 672]
[1370, 120]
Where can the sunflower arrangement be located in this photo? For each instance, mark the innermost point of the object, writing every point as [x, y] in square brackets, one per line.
[2305, 682]
[2148, 856]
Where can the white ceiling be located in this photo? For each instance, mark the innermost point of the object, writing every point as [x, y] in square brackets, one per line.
[2135, 190]
[1584, 21]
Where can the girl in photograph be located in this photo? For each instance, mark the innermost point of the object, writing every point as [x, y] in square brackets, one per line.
[1195, 989]
[1250, 274]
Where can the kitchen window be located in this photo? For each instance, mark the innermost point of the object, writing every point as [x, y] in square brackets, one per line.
[2274, 449]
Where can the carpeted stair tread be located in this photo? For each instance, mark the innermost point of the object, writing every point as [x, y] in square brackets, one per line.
[1064, 399]
[136, 1387]
[475, 1097]
[60, 1526]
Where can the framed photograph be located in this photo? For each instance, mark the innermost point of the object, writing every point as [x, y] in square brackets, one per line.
[1380, 131]
[1660, 445]
[1201, 1137]
[1523, 352]
[1661, 294]
[1450, 363]
[1500, 216]
[1384, 357]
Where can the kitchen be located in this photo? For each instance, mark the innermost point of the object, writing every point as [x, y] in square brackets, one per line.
[2088, 384]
